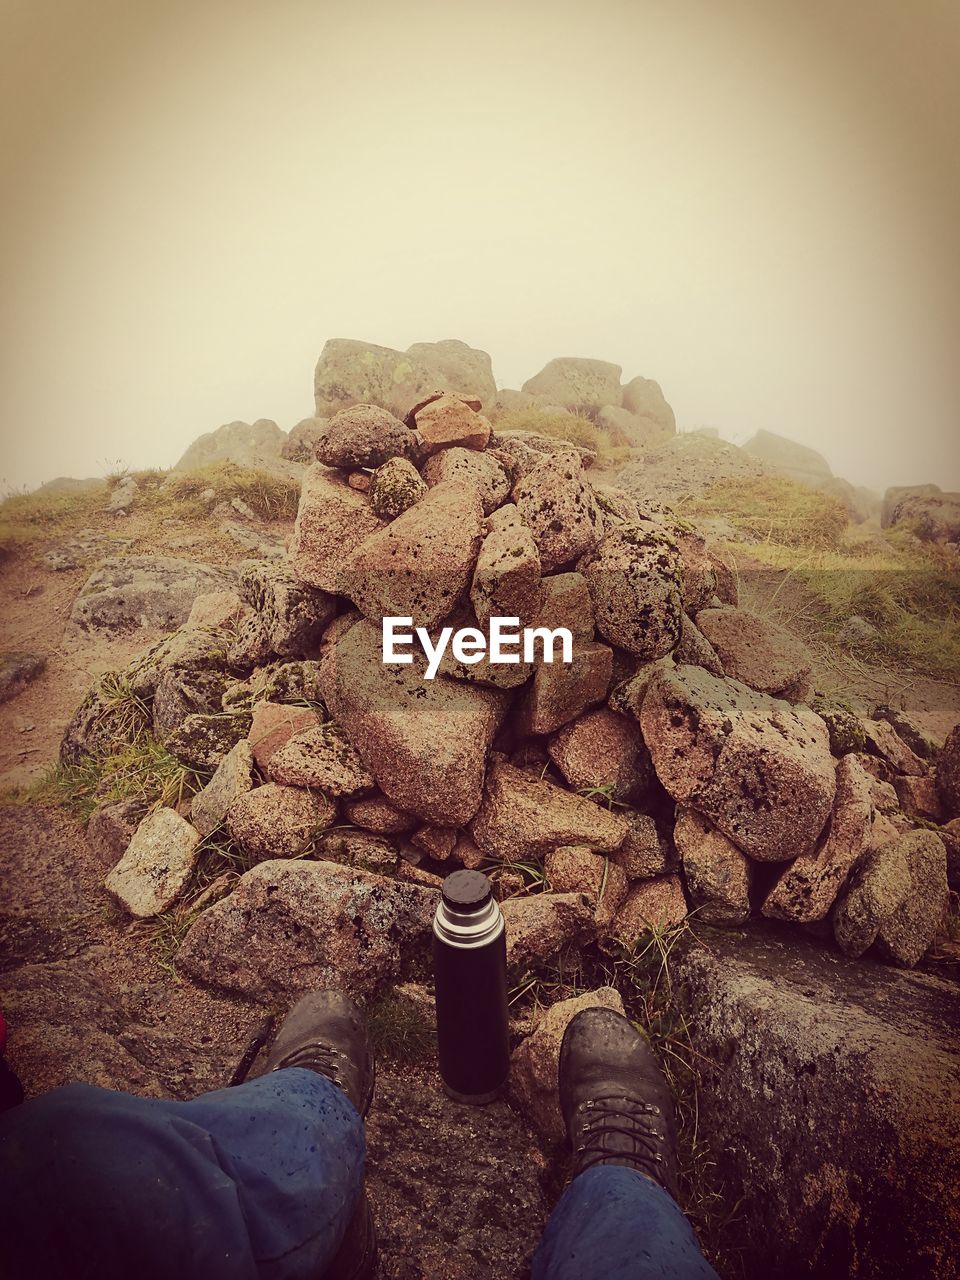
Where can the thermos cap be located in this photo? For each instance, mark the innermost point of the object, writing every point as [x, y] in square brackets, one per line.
[466, 891]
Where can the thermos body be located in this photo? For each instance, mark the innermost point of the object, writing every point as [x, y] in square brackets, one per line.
[470, 975]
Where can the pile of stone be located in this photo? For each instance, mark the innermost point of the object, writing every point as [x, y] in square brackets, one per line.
[678, 764]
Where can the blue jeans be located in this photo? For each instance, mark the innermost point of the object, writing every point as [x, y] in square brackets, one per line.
[258, 1183]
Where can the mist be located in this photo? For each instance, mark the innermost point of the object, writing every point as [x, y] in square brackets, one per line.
[754, 204]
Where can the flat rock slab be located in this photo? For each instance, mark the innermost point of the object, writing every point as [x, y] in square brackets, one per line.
[830, 1095]
[456, 1190]
[151, 592]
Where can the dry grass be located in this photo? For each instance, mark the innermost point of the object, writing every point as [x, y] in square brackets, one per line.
[773, 510]
[27, 518]
[270, 496]
[565, 426]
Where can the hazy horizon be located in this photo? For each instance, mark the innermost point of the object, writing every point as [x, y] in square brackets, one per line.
[757, 207]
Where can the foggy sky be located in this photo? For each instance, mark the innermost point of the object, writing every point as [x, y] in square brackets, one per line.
[755, 203]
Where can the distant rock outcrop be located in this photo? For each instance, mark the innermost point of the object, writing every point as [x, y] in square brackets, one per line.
[258, 445]
[577, 383]
[795, 461]
[934, 515]
[351, 372]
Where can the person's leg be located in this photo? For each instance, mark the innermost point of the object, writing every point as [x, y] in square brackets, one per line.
[612, 1223]
[252, 1183]
[618, 1219]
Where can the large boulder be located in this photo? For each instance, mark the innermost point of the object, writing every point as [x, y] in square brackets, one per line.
[933, 514]
[897, 899]
[455, 366]
[829, 1095]
[527, 817]
[758, 652]
[576, 383]
[634, 578]
[363, 436]
[603, 753]
[153, 593]
[332, 521]
[758, 768]
[275, 821]
[480, 471]
[258, 446]
[807, 889]
[560, 507]
[643, 398]
[297, 926]
[424, 741]
[420, 565]
[156, 866]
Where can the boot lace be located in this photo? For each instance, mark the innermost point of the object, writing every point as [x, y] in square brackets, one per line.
[613, 1114]
[322, 1058]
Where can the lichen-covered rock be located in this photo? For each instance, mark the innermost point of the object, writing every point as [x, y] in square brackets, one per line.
[420, 565]
[717, 873]
[506, 580]
[234, 776]
[151, 592]
[560, 508]
[522, 816]
[845, 729]
[322, 757]
[577, 383]
[363, 436]
[758, 653]
[217, 609]
[649, 904]
[807, 889]
[566, 603]
[436, 842]
[542, 924]
[273, 724]
[449, 422]
[250, 644]
[99, 725]
[457, 367]
[920, 742]
[829, 1090]
[332, 521]
[201, 741]
[375, 813]
[561, 691]
[301, 442]
[395, 487]
[948, 773]
[479, 471]
[535, 1062]
[758, 768]
[897, 899]
[287, 682]
[604, 753]
[299, 926]
[182, 693]
[919, 798]
[695, 650]
[644, 852]
[884, 741]
[156, 866]
[293, 613]
[634, 582]
[577, 869]
[424, 741]
[275, 821]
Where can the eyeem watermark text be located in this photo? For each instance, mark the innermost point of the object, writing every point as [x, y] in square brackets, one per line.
[506, 642]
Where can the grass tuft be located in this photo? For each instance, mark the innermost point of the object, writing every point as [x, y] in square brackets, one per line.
[774, 510]
[565, 426]
[270, 496]
[144, 771]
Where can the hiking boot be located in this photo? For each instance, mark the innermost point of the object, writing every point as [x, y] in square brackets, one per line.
[326, 1032]
[615, 1099]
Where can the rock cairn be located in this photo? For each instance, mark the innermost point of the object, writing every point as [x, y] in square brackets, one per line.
[678, 764]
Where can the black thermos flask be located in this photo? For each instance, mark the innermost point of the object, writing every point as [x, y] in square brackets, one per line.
[470, 972]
